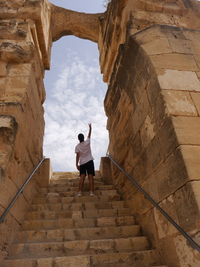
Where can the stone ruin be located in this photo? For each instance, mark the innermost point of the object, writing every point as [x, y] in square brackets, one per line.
[150, 58]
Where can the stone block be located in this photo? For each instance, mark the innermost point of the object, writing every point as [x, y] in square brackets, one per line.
[164, 227]
[187, 130]
[181, 46]
[44, 173]
[141, 112]
[90, 213]
[107, 213]
[86, 222]
[179, 103]
[19, 262]
[77, 215]
[125, 220]
[186, 255]
[65, 223]
[196, 100]
[178, 80]
[118, 204]
[141, 204]
[147, 132]
[78, 246]
[187, 205]
[3, 69]
[148, 35]
[103, 245]
[106, 221]
[44, 262]
[194, 37]
[80, 261]
[157, 46]
[55, 235]
[174, 62]
[16, 52]
[105, 170]
[170, 175]
[19, 70]
[191, 156]
[123, 244]
[89, 205]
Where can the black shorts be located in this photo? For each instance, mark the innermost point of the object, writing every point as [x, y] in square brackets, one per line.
[87, 168]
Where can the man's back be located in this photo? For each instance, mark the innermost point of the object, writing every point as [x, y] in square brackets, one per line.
[84, 150]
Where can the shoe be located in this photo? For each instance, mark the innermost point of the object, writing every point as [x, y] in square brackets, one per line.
[79, 194]
[92, 194]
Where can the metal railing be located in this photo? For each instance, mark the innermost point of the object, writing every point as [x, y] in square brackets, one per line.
[6, 211]
[191, 241]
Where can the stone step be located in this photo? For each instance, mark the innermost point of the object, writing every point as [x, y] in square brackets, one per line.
[65, 188]
[77, 222]
[126, 259]
[78, 247]
[73, 193]
[78, 233]
[71, 180]
[107, 197]
[74, 183]
[80, 206]
[88, 213]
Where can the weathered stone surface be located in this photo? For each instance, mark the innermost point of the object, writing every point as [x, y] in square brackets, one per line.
[191, 158]
[179, 80]
[191, 256]
[68, 22]
[174, 61]
[196, 100]
[164, 116]
[179, 103]
[187, 130]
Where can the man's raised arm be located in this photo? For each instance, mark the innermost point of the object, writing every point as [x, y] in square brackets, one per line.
[90, 130]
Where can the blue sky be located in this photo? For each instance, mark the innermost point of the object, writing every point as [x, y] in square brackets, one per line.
[75, 93]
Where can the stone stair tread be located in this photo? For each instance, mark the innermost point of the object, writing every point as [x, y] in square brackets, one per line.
[125, 259]
[79, 205]
[74, 183]
[69, 193]
[43, 200]
[78, 222]
[78, 247]
[65, 188]
[79, 233]
[86, 213]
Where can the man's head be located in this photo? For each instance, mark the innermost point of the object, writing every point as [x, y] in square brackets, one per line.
[81, 137]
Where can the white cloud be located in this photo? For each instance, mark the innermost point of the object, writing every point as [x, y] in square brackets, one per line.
[75, 99]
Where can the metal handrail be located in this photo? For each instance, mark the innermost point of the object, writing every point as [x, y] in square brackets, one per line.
[156, 205]
[2, 218]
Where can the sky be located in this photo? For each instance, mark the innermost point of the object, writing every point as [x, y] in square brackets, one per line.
[75, 94]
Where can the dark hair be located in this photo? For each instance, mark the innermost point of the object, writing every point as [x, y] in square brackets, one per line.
[81, 137]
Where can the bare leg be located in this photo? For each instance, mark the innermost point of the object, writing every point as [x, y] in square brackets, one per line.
[91, 182]
[81, 182]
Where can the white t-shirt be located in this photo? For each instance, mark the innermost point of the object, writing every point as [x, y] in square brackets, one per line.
[85, 151]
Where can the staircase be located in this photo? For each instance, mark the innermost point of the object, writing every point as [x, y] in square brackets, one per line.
[62, 230]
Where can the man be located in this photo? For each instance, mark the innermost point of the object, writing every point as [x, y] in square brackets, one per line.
[84, 162]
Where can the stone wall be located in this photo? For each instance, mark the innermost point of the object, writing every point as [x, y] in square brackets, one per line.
[152, 105]
[22, 62]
